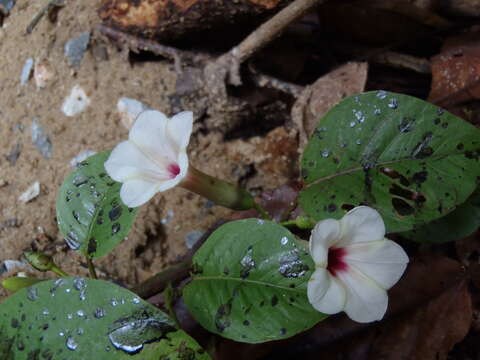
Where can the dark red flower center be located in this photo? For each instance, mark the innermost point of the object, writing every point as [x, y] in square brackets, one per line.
[173, 169]
[336, 260]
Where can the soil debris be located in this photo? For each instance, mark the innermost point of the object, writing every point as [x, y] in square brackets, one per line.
[31, 193]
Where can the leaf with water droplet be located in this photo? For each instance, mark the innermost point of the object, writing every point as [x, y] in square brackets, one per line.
[265, 284]
[402, 160]
[64, 326]
[95, 220]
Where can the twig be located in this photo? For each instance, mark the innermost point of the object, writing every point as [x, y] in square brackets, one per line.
[264, 80]
[50, 5]
[226, 67]
[136, 43]
[404, 61]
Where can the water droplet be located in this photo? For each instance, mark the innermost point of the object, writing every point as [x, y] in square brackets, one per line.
[136, 331]
[115, 228]
[291, 266]
[72, 240]
[57, 283]
[32, 293]
[343, 144]
[68, 290]
[61, 333]
[114, 302]
[82, 295]
[69, 316]
[357, 99]
[440, 111]
[71, 343]
[284, 240]
[393, 103]
[325, 154]
[79, 180]
[359, 116]
[352, 123]
[377, 111]
[45, 312]
[81, 313]
[80, 331]
[79, 283]
[358, 142]
[76, 216]
[382, 94]
[107, 348]
[247, 263]
[136, 300]
[260, 222]
[115, 213]
[99, 313]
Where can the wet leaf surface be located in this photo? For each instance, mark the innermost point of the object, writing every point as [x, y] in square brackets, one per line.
[79, 318]
[410, 160]
[250, 283]
[90, 214]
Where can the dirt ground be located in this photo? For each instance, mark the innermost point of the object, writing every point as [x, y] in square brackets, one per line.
[158, 236]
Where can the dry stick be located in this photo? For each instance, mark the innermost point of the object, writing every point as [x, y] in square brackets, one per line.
[50, 5]
[135, 44]
[228, 65]
[403, 61]
[263, 80]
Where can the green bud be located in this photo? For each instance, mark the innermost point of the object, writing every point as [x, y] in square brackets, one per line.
[18, 283]
[304, 222]
[39, 261]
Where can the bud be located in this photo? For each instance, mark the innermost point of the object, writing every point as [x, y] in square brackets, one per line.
[39, 261]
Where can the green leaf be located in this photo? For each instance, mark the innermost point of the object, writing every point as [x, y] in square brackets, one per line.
[250, 283]
[16, 283]
[76, 318]
[458, 224]
[407, 158]
[90, 214]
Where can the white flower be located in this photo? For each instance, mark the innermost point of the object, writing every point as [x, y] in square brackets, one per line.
[154, 157]
[355, 265]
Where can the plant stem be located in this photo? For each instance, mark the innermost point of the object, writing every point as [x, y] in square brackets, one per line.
[169, 296]
[302, 222]
[91, 268]
[263, 213]
[59, 271]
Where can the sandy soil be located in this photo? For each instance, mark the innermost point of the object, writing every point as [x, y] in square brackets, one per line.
[158, 236]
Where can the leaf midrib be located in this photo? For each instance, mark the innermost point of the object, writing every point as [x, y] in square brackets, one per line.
[255, 282]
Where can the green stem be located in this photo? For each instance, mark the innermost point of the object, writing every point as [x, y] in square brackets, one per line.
[59, 271]
[263, 213]
[302, 222]
[219, 191]
[169, 296]
[91, 268]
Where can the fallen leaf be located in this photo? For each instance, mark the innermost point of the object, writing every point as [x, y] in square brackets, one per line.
[456, 71]
[317, 99]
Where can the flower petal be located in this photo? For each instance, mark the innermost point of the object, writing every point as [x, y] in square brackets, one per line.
[148, 133]
[179, 128]
[325, 292]
[366, 301]
[136, 192]
[127, 161]
[323, 236]
[361, 224]
[382, 261]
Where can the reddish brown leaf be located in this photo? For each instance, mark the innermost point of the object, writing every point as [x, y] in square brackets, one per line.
[456, 71]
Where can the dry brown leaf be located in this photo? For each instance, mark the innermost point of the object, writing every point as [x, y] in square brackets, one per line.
[456, 71]
[317, 99]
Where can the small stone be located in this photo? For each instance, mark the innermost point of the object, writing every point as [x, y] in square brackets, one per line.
[10, 223]
[40, 140]
[192, 238]
[6, 6]
[26, 71]
[31, 193]
[82, 155]
[14, 154]
[75, 49]
[76, 102]
[129, 109]
[13, 265]
[42, 74]
[3, 183]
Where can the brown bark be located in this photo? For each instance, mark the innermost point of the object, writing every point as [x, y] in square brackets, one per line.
[170, 20]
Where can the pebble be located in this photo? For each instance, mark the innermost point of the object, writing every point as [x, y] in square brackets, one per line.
[192, 238]
[75, 49]
[6, 6]
[14, 154]
[129, 109]
[40, 140]
[10, 223]
[13, 265]
[31, 193]
[42, 74]
[82, 155]
[3, 183]
[26, 71]
[76, 102]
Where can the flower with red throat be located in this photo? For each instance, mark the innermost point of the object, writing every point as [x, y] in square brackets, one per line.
[154, 158]
[355, 265]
